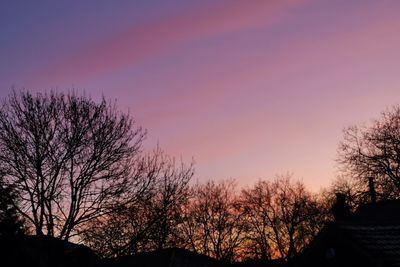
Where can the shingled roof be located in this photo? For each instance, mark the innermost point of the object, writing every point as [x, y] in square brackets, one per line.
[370, 237]
[381, 241]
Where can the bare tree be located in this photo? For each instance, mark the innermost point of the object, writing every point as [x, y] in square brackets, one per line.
[213, 224]
[261, 217]
[68, 157]
[151, 221]
[354, 190]
[374, 151]
[170, 196]
[282, 217]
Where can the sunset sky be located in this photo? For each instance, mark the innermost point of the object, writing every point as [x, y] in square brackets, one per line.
[249, 89]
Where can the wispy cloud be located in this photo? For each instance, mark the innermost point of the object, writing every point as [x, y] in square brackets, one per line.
[150, 40]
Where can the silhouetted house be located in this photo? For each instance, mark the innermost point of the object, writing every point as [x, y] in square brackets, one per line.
[44, 251]
[261, 263]
[172, 257]
[369, 237]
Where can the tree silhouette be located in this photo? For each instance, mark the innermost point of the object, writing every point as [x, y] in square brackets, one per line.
[68, 158]
[10, 223]
[151, 221]
[283, 217]
[212, 223]
[373, 151]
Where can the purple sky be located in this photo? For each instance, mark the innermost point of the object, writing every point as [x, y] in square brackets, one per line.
[249, 89]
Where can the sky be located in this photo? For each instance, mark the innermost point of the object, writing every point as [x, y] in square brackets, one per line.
[248, 89]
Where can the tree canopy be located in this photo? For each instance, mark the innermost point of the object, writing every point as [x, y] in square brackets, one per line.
[373, 150]
[69, 158]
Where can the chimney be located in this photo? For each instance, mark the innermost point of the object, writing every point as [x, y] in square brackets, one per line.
[371, 185]
[341, 210]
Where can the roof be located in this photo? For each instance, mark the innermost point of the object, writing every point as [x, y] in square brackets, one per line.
[381, 241]
[371, 235]
[25, 250]
[170, 257]
[376, 228]
[380, 213]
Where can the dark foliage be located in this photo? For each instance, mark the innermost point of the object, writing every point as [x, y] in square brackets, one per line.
[10, 223]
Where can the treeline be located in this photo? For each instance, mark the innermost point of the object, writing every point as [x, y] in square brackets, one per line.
[272, 219]
[75, 169]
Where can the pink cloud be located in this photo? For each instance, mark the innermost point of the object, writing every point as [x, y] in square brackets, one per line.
[342, 52]
[147, 41]
[343, 57]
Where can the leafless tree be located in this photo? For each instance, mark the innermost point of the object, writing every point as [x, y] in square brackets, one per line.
[170, 196]
[354, 190]
[151, 221]
[68, 157]
[374, 151]
[283, 217]
[213, 224]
